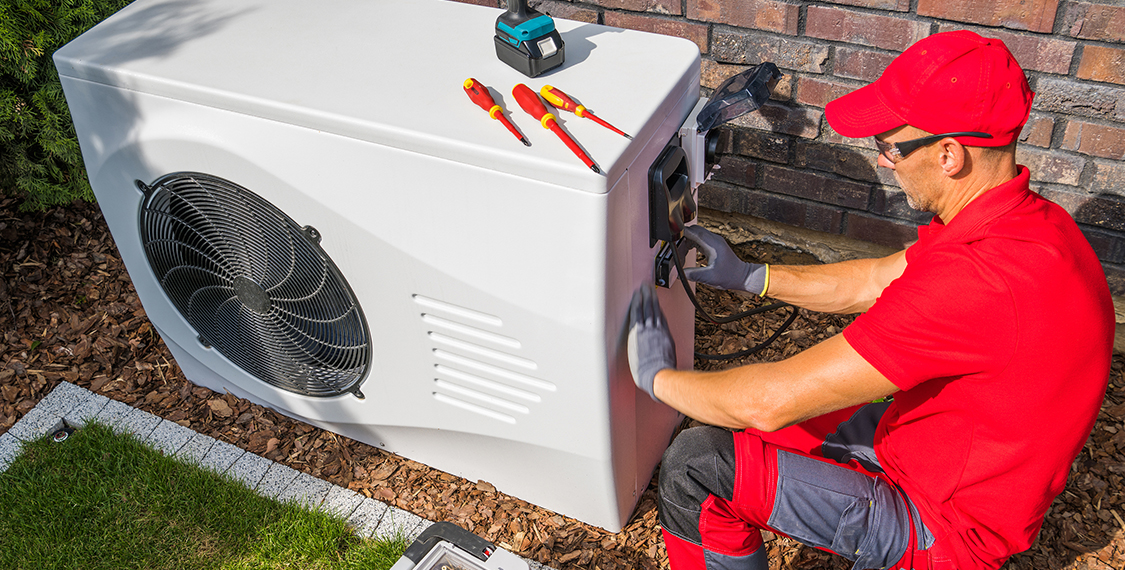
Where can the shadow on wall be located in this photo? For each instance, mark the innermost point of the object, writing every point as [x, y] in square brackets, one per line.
[772, 167]
[1105, 213]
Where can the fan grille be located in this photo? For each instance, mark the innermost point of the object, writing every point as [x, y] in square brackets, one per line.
[255, 286]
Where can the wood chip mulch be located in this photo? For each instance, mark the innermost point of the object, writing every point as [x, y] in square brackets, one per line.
[68, 311]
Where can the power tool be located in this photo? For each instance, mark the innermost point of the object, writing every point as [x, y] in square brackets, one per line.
[527, 40]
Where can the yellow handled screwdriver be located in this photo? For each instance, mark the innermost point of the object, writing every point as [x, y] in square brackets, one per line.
[560, 100]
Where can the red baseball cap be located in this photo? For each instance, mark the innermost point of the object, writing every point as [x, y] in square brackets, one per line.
[945, 83]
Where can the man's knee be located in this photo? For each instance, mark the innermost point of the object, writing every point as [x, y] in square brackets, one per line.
[698, 464]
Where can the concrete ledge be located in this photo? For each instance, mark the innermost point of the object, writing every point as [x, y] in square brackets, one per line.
[341, 502]
[221, 456]
[113, 415]
[196, 448]
[88, 409]
[366, 516]
[139, 423]
[276, 479]
[168, 437]
[306, 491]
[249, 469]
[10, 448]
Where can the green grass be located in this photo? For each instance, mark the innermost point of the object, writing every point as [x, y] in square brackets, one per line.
[100, 500]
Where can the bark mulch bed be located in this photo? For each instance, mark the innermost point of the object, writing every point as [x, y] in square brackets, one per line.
[68, 311]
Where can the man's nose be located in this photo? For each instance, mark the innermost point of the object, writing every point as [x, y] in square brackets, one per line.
[885, 162]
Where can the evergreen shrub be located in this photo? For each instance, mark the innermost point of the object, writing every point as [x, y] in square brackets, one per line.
[39, 156]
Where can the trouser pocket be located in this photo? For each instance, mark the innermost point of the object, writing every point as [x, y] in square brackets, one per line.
[847, 512]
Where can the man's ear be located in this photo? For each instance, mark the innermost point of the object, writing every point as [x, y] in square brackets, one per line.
[952, 158]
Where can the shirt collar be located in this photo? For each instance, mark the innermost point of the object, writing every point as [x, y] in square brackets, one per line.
[988, 206]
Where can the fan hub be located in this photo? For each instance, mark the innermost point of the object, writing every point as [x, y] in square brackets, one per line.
[252, 295]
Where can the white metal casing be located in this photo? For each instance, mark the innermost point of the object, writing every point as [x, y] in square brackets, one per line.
[495, 278]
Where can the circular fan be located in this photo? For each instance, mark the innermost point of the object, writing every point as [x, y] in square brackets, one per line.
[255, 286]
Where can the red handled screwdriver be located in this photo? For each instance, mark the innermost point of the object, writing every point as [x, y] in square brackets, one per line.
[480, 95]
[559, 99]
[530, 102]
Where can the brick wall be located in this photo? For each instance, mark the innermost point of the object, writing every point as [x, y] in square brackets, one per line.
[787, 165]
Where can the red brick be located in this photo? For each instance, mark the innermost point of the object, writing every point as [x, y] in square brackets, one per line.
[1053, 167]
[796, 121]
[1082, 98]
[1033, 15]
[1108, 178]
[1094, 21]
[762, 145]
[885, 32]
[841, 160]
[768, 15]
[671, 7]
[880, 231]
[713, 74]
[738, 171]
[774, 207]
[818, 92]
[1038, 130]
[1034, 53]
[891, 202]
[862, 64]
[814, 186]
[567, 11]
[697, 33]
[1107, 246]
[1101, 211]
[1070, 201]
[733, 46]
[893, 5]
[1102, 64]
[1115, 275]
[864, 149]
[721, 197]
[1102, 141]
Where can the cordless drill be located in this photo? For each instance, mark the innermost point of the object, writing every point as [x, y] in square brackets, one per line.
[527, 40]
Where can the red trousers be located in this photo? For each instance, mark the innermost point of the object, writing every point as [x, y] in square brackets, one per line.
[818, 482]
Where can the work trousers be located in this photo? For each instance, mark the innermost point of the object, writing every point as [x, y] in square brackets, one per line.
[818, 482]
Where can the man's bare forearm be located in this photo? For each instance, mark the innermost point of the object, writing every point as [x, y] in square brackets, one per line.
[773, 395]
[844, 287]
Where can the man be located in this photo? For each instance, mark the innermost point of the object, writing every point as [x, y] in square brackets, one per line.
[992, 333]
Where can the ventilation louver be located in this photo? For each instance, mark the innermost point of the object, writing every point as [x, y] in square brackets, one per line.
[255, 286]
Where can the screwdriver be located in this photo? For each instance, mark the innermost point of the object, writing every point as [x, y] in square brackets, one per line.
[559, 99]
[530, 103]
[480, 95]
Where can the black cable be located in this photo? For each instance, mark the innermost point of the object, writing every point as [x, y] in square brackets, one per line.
[753, 349]
[731, 318]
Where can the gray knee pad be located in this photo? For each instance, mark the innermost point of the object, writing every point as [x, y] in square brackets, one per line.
[698, 464]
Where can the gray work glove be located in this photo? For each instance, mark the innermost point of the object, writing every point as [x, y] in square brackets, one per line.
[650, 346]
[724, 269]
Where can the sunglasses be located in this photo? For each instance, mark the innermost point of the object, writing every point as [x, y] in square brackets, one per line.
[895, 152]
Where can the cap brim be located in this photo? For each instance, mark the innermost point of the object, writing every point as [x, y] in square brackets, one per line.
[861, 114]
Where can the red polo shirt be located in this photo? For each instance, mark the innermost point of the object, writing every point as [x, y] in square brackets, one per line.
[999, 334]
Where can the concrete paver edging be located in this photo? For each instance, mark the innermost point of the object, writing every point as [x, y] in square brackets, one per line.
[76, 406]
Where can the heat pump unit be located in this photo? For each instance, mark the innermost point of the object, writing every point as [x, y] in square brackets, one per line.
[318, 219]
